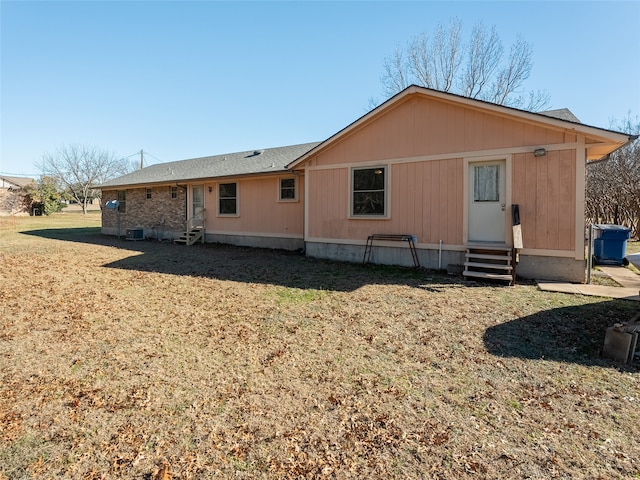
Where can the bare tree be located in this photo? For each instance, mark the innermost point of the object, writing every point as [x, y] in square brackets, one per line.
[613, 186]
[79, 168]
[476, 69]
[396, 75]
[483, 60]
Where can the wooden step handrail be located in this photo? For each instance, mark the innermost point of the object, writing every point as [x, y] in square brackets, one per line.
[195, 222]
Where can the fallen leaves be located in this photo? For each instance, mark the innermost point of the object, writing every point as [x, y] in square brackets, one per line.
[164, 473]
[147, 360]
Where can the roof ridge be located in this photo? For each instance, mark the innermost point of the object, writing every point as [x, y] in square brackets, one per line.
[269, 160]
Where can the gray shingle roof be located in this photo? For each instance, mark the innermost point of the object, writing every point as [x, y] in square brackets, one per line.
[561, 114]
[17, 181]
[269, 160]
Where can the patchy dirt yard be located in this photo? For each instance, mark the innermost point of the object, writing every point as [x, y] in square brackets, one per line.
[120, 358]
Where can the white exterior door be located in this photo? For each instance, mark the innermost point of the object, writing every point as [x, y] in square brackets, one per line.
[487, 201]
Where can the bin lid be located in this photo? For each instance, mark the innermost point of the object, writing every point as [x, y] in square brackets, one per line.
[612, 228]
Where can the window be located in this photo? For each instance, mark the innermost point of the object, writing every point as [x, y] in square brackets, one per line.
[227, 199]
[148, 193]
[368, 191]
[197, 200]
[122, 201]
[287, 189]
[486, 183]
[174, 192]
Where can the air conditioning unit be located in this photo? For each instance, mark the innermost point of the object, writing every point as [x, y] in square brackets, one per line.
[135, 234]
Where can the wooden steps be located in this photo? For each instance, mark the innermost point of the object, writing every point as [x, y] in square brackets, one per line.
[194, 229]
[490, 262]
[190, 237]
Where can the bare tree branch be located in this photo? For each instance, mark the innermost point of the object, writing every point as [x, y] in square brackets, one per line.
[484, 55]
[512, 75]
[613, 187]
[476, 69]
[447, 54]
[79, 168]
[395, 78]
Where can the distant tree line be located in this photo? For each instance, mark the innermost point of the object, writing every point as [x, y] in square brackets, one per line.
[613, 185]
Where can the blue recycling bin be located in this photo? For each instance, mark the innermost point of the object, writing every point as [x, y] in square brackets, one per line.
[610, 244]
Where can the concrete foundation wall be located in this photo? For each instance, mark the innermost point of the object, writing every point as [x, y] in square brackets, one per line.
[530, 267]
[240, 240]
[256, 241]
[385, 255]
[157, 233]
[551, 268]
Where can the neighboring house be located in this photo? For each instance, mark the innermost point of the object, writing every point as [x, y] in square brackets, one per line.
[13, 199]
[443, 168]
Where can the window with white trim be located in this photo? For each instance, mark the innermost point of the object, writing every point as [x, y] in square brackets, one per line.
[287, 189]
[228, 198]
[368, 192]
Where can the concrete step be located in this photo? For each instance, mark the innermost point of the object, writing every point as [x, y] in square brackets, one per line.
[492, 266]
[488, 246]
[487, 256]
[489, 276]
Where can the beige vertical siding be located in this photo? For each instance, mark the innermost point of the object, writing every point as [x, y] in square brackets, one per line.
[329, 204]
[544, 188]
[422, 126]
[426, 197]
[259, 210]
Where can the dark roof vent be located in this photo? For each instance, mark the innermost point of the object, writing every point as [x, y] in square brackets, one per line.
[258, 152]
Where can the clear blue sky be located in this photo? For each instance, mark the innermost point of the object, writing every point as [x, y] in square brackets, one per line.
[188, 79]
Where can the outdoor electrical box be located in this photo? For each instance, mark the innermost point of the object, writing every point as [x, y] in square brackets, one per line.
[135, 234]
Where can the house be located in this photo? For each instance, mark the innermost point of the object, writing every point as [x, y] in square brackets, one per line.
[13, 198]
[437, 168]
[246, 198]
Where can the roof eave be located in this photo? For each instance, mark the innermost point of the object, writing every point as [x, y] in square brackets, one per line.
[608, 137]
[180, 181]
[600, 152]
[383, 106]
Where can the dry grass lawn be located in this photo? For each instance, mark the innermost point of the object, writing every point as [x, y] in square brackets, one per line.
[120, 358]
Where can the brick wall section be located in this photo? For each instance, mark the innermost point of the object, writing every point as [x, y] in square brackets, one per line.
[159, 215]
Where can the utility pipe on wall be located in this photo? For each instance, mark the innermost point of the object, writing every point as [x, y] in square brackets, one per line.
[440, 256]
[590, 255]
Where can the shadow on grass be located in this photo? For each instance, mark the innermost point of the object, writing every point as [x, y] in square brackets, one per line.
[568, 334]
[572, 334]
[75, 234]
[240, 264]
